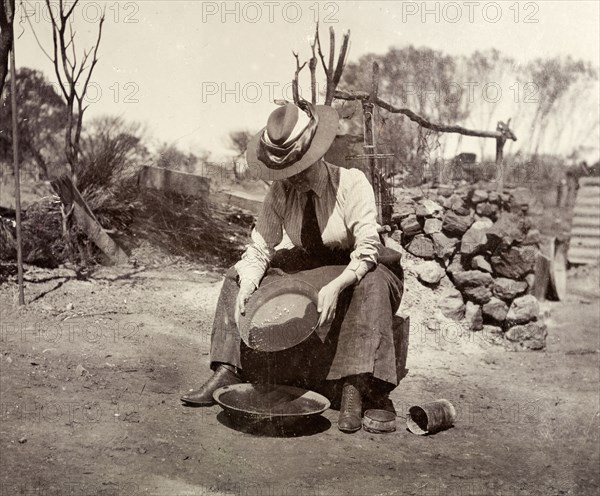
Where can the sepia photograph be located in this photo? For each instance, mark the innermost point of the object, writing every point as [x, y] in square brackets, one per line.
[299, 248]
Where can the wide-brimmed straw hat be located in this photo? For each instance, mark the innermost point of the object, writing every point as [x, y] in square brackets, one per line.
[292, 140]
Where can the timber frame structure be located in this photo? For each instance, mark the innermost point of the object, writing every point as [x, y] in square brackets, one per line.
[370, 100]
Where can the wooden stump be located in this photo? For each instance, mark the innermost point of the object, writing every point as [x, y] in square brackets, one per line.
[85, 218]
[401, 329]
[542, 276]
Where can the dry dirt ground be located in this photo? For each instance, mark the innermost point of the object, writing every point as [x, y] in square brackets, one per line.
[92, 370]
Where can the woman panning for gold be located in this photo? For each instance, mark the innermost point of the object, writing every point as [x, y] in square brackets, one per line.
[329, 214]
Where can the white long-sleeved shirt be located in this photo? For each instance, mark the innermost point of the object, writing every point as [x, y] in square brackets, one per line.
[346, 213]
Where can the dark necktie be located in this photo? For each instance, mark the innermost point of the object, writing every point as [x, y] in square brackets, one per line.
[310, 236]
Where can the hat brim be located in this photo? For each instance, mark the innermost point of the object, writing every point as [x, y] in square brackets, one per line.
[322, 140]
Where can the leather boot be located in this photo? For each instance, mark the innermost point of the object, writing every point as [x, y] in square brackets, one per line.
[223, 376]
[350, 419]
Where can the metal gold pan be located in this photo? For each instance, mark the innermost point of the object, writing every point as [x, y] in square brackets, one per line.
[270, 402]
[280, 315]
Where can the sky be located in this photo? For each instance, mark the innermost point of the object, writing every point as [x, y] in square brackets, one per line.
[192, 71]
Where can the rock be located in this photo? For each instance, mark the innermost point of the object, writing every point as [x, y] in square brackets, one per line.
[463, 211]
[531, 336]
[457, 204]
[509, 228]
[483, 223]
[474, 284]
[478, 294]
[476, 237]
[533, 237]
[515, 262]
[445, 190]
[479, 195]
[487, 209]
[421, 246]
[443, 245]
[428, 208]
[480, 263]
[430, 272]
[495, 309]
[472, 279]
[432, 226]
[451, 304]
[433, 324]
[493, 197]
[521, 197]
[456, 224]
[493, 334]
[80, 370]
[522, 310]
[402, 211]
[410, 226]
[22, 440]
[456, 265]
[473, 316]
[530, 280]
[508, 289]
[69, 306]
[397, 236]
[473, 241]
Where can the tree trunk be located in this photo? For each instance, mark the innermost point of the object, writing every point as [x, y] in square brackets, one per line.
[5, 39]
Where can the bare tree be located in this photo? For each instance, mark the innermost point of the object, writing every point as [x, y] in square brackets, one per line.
[333, 71]
[111, 151]
[41, 116]
[554, 77]
[238, 141]
[7, 9]
[73, 74]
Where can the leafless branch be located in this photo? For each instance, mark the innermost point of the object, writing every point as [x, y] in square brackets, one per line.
[295, 84]
[422, 121]
[333, 71]
[312, 65]
[337, 75]
[332, 75]
[331, 49]
[36, 37]
[70, 11]
[69, 71]
[320, 51]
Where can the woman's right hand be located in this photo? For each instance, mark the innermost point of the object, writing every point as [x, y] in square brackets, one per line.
[246, 290]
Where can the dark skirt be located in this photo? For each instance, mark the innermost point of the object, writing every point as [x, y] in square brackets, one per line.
[361, 339]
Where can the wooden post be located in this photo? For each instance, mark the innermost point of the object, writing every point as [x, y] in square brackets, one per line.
[17, 173]
[500, 140]
[368, 106]
[369, 148]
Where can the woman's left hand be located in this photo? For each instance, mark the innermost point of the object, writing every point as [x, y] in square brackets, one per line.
[327, 303]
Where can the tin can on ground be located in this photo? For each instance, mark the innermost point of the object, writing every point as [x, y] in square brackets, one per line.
[431, 417]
